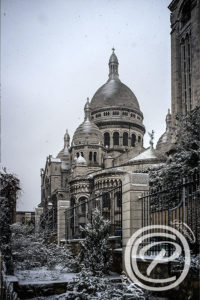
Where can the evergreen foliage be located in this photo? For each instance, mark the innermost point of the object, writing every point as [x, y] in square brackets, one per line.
[95, 253]
[185, 159]
[9, 186]
[94, 281]
[30, 250]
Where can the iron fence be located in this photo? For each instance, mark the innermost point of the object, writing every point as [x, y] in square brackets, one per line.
[79, 214]
[48, 220]
[174, 206]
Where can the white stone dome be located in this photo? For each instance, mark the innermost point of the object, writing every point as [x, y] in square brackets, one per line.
[81, 161]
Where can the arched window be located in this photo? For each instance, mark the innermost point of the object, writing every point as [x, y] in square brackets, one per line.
[95, 156]
[125, 139]
[82, 154]
[116, 138]
[72, 202]
[186, 13]
[118, 198]
[77, 154]
[106, 201]
[82, 202]
[107, 139]
[139, 139]
[90, 156]
[133, 140]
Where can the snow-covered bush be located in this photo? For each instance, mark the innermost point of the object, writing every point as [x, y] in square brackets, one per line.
[30, 250]
[95, 253]
[87, 286]
[94, 280]
[9, 186]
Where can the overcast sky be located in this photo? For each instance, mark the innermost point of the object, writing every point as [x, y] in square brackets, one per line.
[55, 54]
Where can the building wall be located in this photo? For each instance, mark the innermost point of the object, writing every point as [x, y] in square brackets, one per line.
[185, 56]
[24, 217]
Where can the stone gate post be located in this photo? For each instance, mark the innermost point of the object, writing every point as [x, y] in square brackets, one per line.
[133, 185]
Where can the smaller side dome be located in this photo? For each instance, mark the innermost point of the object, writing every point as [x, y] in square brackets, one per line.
[65, 151]
[65, 165]
[80, 161]
[87, 132]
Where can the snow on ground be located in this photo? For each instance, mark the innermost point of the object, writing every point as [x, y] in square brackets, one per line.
[43, 275]
[54, 297]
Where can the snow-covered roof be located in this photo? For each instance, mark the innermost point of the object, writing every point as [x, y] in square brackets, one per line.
[149, 153]
[55, 159]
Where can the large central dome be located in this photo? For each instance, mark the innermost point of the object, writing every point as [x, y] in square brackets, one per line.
[114, 94]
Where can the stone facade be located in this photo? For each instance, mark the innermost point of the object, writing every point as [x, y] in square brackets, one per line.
[25, 217]
[185, 56]
[185, 64]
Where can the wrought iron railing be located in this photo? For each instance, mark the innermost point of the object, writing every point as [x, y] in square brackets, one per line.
[79, 214]
[177, 204]
[48, 220]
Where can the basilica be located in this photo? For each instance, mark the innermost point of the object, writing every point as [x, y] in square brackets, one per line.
[107, 145]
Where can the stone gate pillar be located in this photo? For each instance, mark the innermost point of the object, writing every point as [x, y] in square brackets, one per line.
[133, 185]
[38, 213]
[62, 205]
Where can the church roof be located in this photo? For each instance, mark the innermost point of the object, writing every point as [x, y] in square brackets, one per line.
[114, 93]
[148, 154]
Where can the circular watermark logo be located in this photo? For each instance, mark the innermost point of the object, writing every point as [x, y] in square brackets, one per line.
[151, 237]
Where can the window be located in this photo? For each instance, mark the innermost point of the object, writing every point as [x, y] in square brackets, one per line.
[106, 113]
[186, 75]
[82, 154]
[98, 115]
[82, 202]
[133, 115]
[125, 113]
[107, 139]
[139, 139]
[116, 138]
[77, 154]
[118, 199]
[72, 202]
[106, 201]
[133, 140]
[95, 156]
[125, 139]
[186, 13]
[90, 156]
[115, 113]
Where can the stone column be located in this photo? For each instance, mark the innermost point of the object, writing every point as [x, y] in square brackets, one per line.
[133, 185]
[62, 205]
[38, 212]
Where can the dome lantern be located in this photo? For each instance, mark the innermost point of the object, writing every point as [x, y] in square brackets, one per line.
[113, 66]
